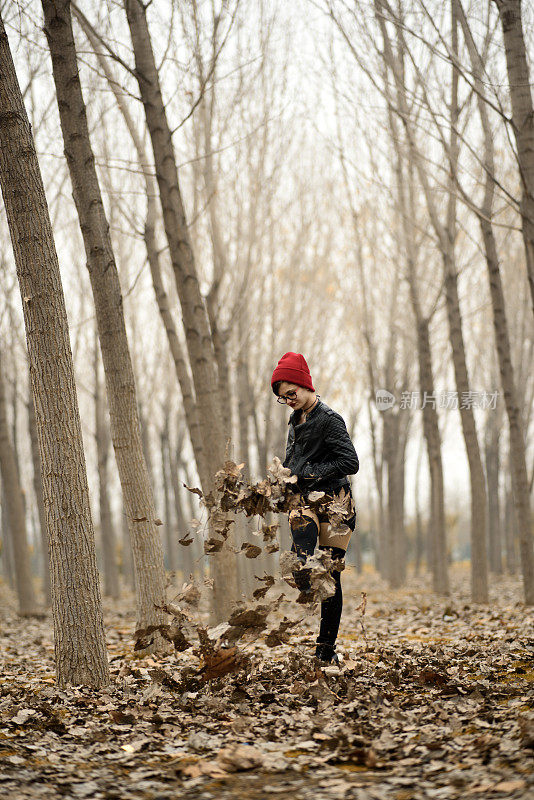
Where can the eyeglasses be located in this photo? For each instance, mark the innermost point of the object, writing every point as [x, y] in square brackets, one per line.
[285, 398]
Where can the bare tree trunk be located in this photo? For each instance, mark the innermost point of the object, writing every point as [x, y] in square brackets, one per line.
[510, 527]
[437, 545]
[195, 318]
[517, 449]
[479, 558]
[394, 541]
[170, 538]
[146, 445]
[522, 120]
[127, 565]
[446, 234]
[15, 512]
[243, 407]
[492, 458]
[107, 531]
[149, 233]
[197, 548]
[38, 491]
[419, 542]
[185, 560]
[77, 609]
[8, 569]
[479, 566]
[120, 384]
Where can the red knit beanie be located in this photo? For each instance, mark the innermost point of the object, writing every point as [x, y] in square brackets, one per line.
[292, 368]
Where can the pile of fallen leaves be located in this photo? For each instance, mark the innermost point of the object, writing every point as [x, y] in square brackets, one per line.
[434, 702]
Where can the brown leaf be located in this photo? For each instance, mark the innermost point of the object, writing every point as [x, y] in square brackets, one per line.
[260, 593]
[190, 594]
[221, 662]
[240, 758]
[251, 550]
[429, 677]
[194, 490]
[120, 718]
[280, 635]
[213, 545]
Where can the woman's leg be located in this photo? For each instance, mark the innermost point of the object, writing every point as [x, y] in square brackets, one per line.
[304, 532]
[331, 609]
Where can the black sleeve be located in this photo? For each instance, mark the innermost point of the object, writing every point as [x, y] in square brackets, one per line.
[289, 445]
[341, 456]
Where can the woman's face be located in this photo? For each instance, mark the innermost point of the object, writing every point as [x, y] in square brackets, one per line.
[295, 401]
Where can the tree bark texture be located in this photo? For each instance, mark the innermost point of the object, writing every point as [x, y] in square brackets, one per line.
[80, 647]
[195, 318]
[154, 261]
[107, 531]
[170, 538]
[522, 120]
[517, 455]
[492, 459]
[438, 540]
[120, 385]
[38, 491]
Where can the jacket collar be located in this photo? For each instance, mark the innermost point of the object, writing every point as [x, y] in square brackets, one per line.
[312, 413]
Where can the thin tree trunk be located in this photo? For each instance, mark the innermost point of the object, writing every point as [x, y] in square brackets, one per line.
[419, 541]
[146, 445]
[167, 520]
[38, 491]
[196, 324]
[517, 448]
[437, 544]
[77, 609]
[522, 120]
[120, 384]
[446, 235]
[510, 528]
[107, 531]
[492, 458]
[8, 569]
[185, 560]
[15, 511]
[243, 403]
[149, 234]
[393, 544]
[127, 565]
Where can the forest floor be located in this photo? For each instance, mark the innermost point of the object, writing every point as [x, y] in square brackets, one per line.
[434, 701]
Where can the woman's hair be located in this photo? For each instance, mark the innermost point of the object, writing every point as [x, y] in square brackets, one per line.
[276, 386]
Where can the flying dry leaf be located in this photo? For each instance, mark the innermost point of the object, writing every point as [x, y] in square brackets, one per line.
[221, 662]
[250, 550]
[194, 490]
[213, 545]
[260, 593]
[190, 594]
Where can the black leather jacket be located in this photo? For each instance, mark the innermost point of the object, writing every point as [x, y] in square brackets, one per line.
[319, 451]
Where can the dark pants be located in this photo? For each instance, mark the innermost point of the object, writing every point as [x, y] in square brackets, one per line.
[304, 543]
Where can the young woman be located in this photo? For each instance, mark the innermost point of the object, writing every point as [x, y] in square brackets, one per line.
[320, 453]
